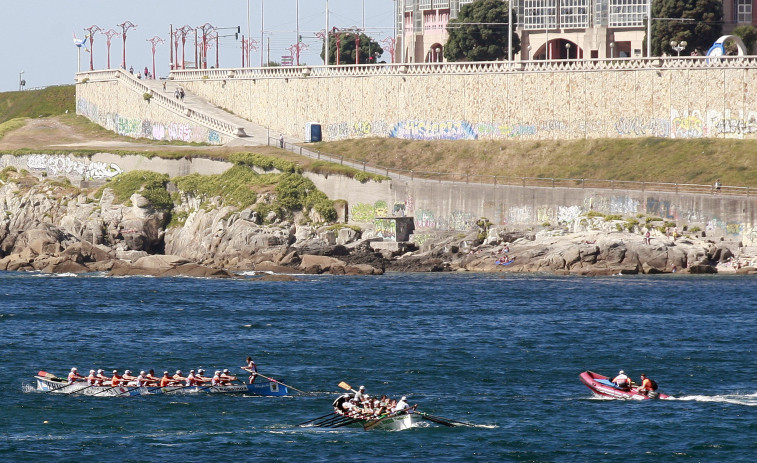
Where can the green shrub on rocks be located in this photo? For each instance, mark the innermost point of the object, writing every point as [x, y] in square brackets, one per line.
[264, 162]
[234, 187]
[151, 185]
[295, 192]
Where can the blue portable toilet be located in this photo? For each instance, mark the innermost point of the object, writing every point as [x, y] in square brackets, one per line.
[312, 132]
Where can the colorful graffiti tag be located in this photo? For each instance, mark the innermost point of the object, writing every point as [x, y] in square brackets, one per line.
[55, 165]
[429, 130]
[143, 128]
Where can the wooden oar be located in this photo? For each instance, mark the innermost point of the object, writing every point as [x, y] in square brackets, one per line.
[348, 422]
[316, 419]
[332, 421]
[49, 376]
[346, 387]
[279, 382]
[444, 421]
[106, 390]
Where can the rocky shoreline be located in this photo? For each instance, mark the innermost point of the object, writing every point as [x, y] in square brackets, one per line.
[53, 228]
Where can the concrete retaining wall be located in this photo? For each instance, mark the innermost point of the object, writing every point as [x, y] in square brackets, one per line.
[103, 166]
[456, 207]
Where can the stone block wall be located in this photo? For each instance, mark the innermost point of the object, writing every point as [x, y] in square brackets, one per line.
[126, 112]
[686, 102]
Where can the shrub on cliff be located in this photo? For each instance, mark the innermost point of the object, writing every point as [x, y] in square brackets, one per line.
[264, 162]
[151, 185]
[235, 187]
[295, 192]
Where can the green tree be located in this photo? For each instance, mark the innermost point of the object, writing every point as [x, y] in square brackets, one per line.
[748, 35]
[701, 27]
[480, 32]
[370, 50]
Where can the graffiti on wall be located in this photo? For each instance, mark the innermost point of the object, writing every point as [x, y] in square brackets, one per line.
[365, 213]
[386, 228]
[56, 165]
[456, 220]
[687, 124]
[643, 126]
[732, 124]
[144, 128]
[356, 129]
[429, 130]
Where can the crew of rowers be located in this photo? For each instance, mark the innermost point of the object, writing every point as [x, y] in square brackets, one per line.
[148, 379]
[361, 405]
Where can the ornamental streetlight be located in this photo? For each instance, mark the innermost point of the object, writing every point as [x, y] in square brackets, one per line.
[92, 29]
[390, 43]
[21, 81]
[125, 27]
[154, 41]
[567, 51]
[678, 47]
[206, 29]
[184, 30]
[612, 49]
[109, 34]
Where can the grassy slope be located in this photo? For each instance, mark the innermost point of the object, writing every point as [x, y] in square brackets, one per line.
[50, 101]
[642, 159]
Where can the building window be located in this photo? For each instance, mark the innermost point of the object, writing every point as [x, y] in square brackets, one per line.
[425, 4]
[441, 3]
[539, 14]
[625, 13]
[574, 14]
[743, 11]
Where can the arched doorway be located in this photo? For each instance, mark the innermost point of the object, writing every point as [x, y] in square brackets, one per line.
[559, 49]
[435, 54]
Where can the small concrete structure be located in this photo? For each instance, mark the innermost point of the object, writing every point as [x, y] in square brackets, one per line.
[397, 229]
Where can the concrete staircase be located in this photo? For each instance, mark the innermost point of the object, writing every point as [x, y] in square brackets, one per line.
[250, 134]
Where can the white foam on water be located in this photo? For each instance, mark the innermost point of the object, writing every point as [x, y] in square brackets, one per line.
[749, 400]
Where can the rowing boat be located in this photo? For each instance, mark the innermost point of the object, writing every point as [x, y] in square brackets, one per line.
[390, 422]
[61, 386]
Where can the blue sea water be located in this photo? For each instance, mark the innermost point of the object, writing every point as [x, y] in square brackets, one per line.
[503, 352]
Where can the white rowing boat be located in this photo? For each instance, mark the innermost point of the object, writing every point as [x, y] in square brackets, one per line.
[61, 386]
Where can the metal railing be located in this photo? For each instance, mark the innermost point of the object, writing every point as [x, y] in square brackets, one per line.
[173, 105]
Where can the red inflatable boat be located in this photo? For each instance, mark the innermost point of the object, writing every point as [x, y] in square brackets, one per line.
[603, 386]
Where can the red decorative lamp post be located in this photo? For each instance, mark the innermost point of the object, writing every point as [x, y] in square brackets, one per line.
[125, 26]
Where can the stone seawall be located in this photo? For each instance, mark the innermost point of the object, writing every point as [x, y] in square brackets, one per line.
[664, 98]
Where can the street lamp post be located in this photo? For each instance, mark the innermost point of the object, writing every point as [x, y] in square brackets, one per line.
[155, 41]
[678, 46]
[92, 29]
[184, 30]
[109, 34]
[612, 50]
[567, 49]
[21, 81]
[205, 28]
[125, 26]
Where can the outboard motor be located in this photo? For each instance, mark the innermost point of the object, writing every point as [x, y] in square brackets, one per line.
[653, 394]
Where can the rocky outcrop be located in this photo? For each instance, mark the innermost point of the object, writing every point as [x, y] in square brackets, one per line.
[57, 229]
